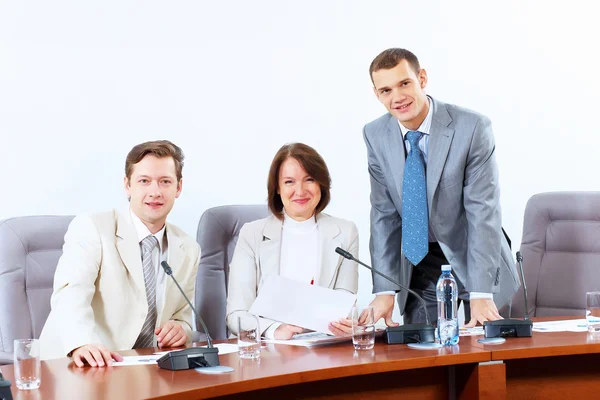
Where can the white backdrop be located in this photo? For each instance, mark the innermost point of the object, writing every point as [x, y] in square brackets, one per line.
[231, 81]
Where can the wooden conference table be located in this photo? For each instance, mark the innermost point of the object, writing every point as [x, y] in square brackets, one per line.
[547, 365]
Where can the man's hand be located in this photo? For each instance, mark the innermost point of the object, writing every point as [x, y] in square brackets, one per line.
[171, 334]
[341, 327]
[95, 355]
[383, 306]
[483, 310]
[286, 331]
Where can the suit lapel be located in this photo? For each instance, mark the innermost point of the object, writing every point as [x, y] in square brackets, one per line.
[394, 146]
[329, 260]
[175, 258]
[269, 253]
[129, 250]
[440, 137]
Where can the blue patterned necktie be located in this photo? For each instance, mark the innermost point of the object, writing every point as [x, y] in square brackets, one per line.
[415, 222]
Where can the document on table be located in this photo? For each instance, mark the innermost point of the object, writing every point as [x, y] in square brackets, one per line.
[569, 325]
[137, 360]
[308, 306]
[310, 339]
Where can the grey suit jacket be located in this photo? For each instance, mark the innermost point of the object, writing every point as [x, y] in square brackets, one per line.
[257, 257]
[463, 199]
[99, 289]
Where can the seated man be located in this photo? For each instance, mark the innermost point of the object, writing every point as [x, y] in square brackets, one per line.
[110, 292]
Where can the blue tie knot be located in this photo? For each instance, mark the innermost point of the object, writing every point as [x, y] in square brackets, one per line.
[413, 138]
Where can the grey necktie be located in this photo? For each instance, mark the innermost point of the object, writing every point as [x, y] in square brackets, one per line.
[146, 337]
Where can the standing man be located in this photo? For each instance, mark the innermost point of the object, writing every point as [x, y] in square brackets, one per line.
[434, 198]
[110, 292]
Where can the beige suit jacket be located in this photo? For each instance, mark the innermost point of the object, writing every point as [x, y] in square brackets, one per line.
[257, 257]
[99, 290]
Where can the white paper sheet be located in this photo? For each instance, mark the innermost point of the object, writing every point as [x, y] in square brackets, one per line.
[570, 325]
[137, 360]
[308, 306]
[311, 339]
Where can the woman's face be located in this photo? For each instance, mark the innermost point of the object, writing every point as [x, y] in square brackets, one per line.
[299, 192]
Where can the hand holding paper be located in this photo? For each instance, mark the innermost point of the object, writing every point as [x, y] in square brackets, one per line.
[308, 306]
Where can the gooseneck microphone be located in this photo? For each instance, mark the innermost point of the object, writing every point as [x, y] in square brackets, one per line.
[520, 261]
[409, 333]
[192, 357]
[511, 327]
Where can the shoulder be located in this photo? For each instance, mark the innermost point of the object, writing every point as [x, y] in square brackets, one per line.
[89, 223]
[377, 124]
[187, 240]
[346, 227]
[255, 228]
[462, 115]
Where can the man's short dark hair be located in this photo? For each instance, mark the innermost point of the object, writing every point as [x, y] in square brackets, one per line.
[389, 58]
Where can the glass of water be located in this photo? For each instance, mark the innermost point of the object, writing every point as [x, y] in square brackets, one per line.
[248, 336]
[363, 328]
[592, 311]
[27, 363]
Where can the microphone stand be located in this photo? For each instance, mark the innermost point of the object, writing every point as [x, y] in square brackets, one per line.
[408, 333]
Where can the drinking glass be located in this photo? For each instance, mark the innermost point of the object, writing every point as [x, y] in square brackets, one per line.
[27, 363]
[248, 336]
[592, 311]
[363, 328]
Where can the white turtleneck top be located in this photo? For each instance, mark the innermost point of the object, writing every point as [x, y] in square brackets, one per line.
[299, 254]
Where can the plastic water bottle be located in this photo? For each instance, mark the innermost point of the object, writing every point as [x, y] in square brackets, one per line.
[447, 299]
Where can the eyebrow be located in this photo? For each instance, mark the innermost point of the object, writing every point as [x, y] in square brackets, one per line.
[399, 83]
[160, 177]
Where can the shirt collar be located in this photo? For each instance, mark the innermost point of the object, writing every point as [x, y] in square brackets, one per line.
[142, 231]
[425, 125]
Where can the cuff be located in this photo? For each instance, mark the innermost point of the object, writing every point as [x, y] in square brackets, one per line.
[387, 292]
[270, 332]
[480, 295]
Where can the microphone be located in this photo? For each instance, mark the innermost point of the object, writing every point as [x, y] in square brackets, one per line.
[5, 393]
[511, 327]
[409, 333]
[192, 357]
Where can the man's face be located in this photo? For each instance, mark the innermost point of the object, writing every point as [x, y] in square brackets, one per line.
[402, 92]
[152, 189]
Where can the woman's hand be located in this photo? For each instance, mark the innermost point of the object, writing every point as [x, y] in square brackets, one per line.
[286, 331]
[341, 327]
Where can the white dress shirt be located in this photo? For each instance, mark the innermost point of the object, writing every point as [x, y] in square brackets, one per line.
[425, 128]
[299, 254]
[159, 254]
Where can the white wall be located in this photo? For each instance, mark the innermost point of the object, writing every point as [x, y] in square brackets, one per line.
[230, 82]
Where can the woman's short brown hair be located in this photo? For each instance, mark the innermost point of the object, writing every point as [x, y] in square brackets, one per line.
[313, 164]
[157, 148]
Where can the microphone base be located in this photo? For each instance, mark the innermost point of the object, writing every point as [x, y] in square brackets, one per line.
[411, 333]
[508, 328]
[193, 357]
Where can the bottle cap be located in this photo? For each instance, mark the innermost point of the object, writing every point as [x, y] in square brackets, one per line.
[446, 267]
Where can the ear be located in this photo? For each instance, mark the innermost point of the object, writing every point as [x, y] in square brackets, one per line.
[423, 78]
[179, 187]
[127, 186]
[376, 93]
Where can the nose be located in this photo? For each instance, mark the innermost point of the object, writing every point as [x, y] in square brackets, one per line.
[300, 189]
[154, 190]
[397, 95]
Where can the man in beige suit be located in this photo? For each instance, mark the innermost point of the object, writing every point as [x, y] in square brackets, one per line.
[110, 292]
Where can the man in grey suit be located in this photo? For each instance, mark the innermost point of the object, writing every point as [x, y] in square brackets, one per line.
[434, 198]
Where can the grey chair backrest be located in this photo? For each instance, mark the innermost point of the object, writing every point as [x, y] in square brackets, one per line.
[561, 253]
[217, 235]
[29, 251]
